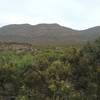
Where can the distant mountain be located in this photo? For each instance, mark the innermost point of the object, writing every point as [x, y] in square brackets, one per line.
[46, 34]
[91, 33]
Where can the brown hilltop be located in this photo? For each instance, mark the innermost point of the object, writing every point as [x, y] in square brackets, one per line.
[46, 34]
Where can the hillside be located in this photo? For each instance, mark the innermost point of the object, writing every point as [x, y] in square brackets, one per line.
[46, 34]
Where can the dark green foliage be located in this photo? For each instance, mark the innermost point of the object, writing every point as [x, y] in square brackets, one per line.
[51, 74]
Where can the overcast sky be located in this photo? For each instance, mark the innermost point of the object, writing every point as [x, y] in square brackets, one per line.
[77, 14]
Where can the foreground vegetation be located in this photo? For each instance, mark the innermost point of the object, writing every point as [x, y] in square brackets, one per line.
[51, 74]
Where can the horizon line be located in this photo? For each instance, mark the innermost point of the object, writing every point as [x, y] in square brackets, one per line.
[77, 29]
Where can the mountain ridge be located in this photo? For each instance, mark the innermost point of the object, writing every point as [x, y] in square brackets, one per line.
[46, 34]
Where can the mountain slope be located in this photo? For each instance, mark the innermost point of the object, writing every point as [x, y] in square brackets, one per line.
[46, 34]
[91, 33]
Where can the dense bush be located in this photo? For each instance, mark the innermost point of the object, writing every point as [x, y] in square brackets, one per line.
[69, 73]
